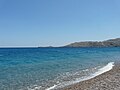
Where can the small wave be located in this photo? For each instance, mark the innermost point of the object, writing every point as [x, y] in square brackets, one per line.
[36, 87]
[100, 71]
[106, 68]
[51, 87]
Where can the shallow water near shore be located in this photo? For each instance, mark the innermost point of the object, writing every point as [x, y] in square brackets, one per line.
[45, 68]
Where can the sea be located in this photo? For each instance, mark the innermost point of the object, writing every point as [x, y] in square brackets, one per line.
[52, 68]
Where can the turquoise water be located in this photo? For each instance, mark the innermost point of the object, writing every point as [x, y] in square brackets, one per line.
[41, 68]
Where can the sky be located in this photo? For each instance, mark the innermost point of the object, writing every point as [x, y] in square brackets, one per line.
[57, 22]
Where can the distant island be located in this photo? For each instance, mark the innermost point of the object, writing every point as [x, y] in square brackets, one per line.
[106, 43]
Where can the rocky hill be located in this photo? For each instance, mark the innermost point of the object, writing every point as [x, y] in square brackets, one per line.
[107, 43]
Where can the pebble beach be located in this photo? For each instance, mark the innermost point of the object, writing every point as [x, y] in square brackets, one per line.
[107, 81]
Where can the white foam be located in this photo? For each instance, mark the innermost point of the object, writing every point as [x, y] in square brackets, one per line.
[51, 87]
[106, 68]
[35, 88]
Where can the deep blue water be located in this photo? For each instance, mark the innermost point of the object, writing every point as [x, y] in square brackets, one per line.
[27, 68]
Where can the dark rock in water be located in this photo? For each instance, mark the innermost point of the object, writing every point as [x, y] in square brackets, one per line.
[107, 43]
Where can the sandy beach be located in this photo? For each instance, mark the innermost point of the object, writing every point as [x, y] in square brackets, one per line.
[107, 81]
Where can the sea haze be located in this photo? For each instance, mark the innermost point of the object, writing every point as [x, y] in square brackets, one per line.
[43, 68]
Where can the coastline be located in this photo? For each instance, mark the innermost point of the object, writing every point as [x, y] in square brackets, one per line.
[100, 71]
[106, 81]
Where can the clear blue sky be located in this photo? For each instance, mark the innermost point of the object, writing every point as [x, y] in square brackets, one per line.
[57, 22]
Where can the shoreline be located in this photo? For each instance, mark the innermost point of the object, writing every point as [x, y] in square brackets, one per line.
[108, 80]
[100, 71]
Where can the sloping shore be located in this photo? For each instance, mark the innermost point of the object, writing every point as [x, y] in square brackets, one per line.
[106, 81]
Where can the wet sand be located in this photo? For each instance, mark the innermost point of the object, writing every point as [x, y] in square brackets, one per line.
[107, 81]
